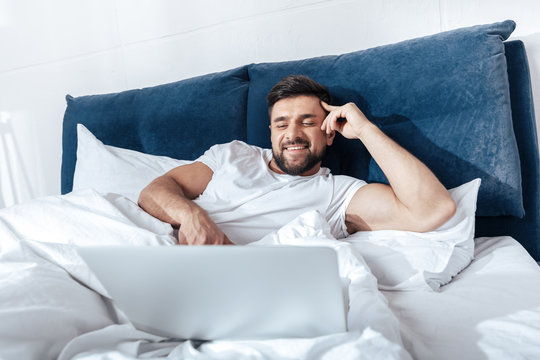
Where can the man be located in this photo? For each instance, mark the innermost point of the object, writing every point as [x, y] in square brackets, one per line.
[240, 192]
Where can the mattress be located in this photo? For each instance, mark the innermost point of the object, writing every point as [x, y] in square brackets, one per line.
[491, 310]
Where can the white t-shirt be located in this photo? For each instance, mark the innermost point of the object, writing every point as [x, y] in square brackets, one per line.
[247, 200]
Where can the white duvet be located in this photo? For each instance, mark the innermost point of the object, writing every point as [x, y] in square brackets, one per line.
[51, 305]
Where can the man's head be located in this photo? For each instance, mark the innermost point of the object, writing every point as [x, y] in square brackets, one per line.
[296, 116]
[296, 85]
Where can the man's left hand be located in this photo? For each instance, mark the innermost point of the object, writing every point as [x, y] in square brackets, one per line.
[347, 119]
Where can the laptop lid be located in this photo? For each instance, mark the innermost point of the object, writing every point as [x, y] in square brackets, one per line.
[224, 292]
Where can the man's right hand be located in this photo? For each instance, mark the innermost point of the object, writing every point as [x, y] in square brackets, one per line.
[198, 229]
[169, 198]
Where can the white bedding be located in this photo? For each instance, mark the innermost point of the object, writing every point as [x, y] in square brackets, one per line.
[50, 303]
[491, 310]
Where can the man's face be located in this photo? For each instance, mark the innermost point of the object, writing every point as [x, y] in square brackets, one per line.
[298, 143]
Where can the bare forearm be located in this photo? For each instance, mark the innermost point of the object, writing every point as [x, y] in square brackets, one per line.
[169, 198]
[164, 199]
[415, 199]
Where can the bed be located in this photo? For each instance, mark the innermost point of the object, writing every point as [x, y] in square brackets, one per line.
[461, 101]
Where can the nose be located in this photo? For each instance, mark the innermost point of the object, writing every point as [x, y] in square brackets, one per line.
[293, 131]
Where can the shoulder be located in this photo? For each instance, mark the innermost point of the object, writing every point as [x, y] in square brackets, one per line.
[233, 152]
[236, 146]
[346, 180]
[345, 188]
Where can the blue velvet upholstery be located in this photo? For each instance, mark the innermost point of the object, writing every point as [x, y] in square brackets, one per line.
[448, 98]
[527, 229]
[444, 97]
[180, 120]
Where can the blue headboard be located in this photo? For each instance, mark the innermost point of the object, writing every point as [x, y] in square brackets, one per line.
[460, 101]
[526, 229]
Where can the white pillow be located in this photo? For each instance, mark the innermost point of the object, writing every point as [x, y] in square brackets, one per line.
[406, 260]
[109, 169]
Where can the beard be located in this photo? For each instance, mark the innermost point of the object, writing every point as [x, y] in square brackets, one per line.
[308, 163]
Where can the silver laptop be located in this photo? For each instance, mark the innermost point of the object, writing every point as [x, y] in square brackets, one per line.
[224, 292]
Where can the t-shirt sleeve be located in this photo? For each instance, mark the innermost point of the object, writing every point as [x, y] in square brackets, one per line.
[223, 155]
[213, 157]
[344, 189]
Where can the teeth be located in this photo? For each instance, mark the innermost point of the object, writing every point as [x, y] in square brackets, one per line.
[296, 148]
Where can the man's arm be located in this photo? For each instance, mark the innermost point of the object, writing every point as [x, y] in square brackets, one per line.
[169, 198]
[415, 199]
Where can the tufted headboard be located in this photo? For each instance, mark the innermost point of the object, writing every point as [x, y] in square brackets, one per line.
[460, 101]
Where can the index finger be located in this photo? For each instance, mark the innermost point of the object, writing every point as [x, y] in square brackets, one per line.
[328, 107]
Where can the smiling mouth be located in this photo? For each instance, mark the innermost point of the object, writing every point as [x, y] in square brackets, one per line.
[296, 147]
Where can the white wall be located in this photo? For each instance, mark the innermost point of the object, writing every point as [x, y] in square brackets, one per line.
[52, 48]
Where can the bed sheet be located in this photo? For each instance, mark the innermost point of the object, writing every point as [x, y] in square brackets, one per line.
[53, 307]
[51, 304]
[491, 310]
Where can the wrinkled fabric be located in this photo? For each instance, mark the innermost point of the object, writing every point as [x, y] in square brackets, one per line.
[52, 306]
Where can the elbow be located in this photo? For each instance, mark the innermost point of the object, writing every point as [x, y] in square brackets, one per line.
[433, 215]
[142, 198]
[441, 213]
[448, 210]
[145, 196]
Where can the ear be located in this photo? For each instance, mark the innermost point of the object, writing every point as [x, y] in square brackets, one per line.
[330, 138]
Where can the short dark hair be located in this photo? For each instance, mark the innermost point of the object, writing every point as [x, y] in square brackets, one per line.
[296, 85]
